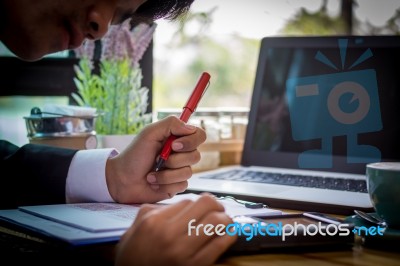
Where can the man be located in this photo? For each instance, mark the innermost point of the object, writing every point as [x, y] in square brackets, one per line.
[46, 175]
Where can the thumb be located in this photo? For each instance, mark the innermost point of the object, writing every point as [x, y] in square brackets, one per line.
[170, 125]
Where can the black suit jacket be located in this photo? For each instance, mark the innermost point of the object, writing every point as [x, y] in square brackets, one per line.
[32, 174]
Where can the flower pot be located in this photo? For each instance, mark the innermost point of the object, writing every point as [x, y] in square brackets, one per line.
[119, 142]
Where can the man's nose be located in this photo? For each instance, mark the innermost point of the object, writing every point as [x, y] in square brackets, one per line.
[97, 26]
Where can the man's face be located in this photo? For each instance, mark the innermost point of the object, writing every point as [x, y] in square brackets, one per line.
[32, 29]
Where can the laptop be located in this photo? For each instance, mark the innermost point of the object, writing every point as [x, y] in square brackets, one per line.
[322, 108]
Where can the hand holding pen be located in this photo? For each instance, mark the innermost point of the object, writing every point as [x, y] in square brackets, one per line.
[188, 109]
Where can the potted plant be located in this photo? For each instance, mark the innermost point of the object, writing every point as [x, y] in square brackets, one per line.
[115, 89]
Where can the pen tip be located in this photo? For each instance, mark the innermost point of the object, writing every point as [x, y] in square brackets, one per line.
[159, 164]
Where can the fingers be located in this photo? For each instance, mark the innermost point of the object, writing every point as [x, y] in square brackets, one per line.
[129, 175]
[213, 250]
[189, 136]
[208, 248]
[170, 190]
[168, 211]
[190, 224]
[162, 211]
[163, 128]
[169, 176]
[143, 211]
[201, 207]
[178, 160]
[169, 181]
[185, 210]
[200, 232]
[189, 142]
[167, 227]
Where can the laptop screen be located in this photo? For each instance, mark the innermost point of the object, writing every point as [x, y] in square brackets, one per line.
[325, 103]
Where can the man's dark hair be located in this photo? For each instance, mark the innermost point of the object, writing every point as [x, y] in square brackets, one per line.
[152, 10]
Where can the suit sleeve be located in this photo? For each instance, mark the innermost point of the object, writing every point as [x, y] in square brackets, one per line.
[33, 174]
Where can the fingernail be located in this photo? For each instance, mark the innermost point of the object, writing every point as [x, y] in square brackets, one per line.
[190, 127]
[151, 178]
[177, 146]
[155, 187]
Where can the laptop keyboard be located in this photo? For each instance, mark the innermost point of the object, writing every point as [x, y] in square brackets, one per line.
[292, 180]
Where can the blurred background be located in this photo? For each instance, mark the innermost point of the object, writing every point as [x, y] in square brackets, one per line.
[222, 37]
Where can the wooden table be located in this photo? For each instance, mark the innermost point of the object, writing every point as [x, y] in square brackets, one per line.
[358, 256]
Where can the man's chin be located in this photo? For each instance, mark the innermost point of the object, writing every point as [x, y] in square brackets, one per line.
[30, 57]
[27, 55]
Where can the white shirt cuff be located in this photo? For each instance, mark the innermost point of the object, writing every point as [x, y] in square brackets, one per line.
[86, 180]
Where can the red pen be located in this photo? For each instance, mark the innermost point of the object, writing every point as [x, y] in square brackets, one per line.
[188, 110]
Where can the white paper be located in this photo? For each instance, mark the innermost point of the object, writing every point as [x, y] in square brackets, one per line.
[232, 208]
[50, 228]
[87, 223]
[78, 224]
[92, 217]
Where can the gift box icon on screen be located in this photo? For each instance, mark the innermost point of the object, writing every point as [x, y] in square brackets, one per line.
[339, 104]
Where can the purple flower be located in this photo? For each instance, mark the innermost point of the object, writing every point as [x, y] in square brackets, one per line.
[121, 42]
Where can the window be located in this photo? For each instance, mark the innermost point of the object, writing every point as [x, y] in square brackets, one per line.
[223, 37]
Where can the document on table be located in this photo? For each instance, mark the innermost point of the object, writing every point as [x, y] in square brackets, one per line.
[91, 217]
[232, 208]
[78, 224]
[87, 223]
[57, 230]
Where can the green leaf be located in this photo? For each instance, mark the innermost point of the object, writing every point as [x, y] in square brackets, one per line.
[116, 93]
